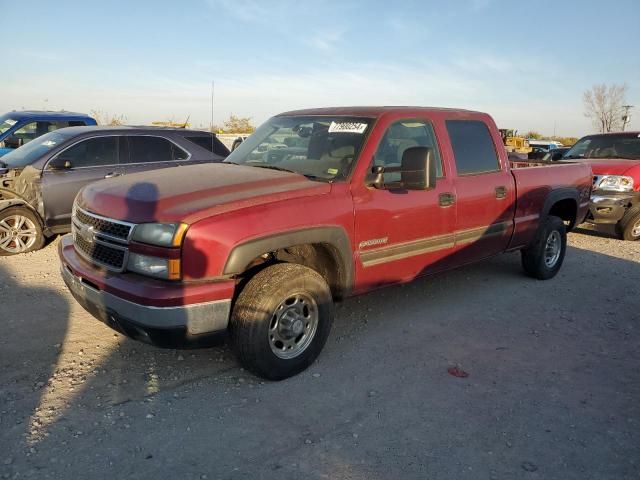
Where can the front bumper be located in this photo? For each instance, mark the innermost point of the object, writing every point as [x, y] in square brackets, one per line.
[610, 207]
[187, 325]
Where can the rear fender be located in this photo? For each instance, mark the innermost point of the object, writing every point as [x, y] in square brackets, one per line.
[558, 195]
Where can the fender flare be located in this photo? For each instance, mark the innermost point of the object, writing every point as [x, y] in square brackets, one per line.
[558, 195]
[334, 236]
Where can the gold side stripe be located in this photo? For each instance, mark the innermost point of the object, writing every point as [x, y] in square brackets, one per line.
[400, 251]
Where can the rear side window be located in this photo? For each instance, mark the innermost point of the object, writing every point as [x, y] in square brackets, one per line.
[143, 149]
[473, 147]
[210, 143]
[93, 152]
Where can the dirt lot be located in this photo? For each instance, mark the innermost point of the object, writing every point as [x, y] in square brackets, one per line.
[553, 389]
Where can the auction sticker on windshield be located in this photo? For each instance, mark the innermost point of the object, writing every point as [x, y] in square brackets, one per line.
[347, 127]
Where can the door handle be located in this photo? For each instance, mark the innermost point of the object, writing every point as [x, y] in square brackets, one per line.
[446, 199]
[112, 174]
[501, 193]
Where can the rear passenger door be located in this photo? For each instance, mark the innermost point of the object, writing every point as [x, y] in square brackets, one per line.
[147, 152]
[88, 160]
[484, 191]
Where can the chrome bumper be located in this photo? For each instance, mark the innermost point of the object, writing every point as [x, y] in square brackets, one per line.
[198, 318]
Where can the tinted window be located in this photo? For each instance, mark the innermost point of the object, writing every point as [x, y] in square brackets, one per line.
[210, 143]
[402, 135]
[473, 147]
[93, 152]
[144, 149]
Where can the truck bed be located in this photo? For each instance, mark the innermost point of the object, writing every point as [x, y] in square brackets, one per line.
[535, 184]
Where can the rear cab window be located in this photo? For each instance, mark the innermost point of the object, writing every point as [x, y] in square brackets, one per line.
[473, 147]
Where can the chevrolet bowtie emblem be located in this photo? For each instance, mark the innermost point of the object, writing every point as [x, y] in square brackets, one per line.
[88, 233]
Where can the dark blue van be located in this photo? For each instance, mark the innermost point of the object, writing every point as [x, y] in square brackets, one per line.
[18, 128]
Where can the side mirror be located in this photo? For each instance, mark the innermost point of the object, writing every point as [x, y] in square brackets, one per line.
[417, 171]
[60, 163]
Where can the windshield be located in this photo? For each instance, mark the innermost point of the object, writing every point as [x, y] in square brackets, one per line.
[32, 151]
[620, 145]
[6, 124]
[322, 148]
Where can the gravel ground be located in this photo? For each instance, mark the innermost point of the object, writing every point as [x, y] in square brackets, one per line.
[553, 386]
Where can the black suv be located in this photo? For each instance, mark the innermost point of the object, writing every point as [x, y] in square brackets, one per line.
[39, 181]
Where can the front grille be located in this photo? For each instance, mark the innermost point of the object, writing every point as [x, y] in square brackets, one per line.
[102, 254]
[102, 225]
[100, 240]
[596, 179]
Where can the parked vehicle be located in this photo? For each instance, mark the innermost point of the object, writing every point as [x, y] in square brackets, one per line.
[513, 142]
[615, 161]
[39, 181]
[350, 200]
[19, 128]
[555, 154]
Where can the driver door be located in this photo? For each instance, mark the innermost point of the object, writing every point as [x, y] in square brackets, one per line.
[87, 161]
[401, 234]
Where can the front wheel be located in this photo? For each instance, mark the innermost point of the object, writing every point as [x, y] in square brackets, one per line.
[20, 231]
[628, 228]
[281, 320]
[544, 257]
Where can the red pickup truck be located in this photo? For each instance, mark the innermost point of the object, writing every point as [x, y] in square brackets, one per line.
[315, 206]
[615, 161]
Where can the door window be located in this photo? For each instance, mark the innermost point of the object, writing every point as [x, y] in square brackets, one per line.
[473, 148]
[400, 136]
[145, 149]
[34, 130]
[93, 152]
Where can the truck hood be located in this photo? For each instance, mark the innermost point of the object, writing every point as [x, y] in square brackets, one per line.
[188, 194]
[611, 166]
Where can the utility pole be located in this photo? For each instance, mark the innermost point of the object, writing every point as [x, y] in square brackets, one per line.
[626, 117]
[212, 94]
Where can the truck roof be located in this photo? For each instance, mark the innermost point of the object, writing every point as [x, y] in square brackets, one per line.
[371, 111]
[27, 114]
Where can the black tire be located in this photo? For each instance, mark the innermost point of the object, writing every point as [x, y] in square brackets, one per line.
[7, 220]
[256, 318]
[539, 260]
[629, 222]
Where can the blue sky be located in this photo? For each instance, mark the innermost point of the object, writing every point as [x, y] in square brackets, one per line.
[526, 63]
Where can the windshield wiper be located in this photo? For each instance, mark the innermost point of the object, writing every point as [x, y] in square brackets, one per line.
[280, 169]
[273, 167]
[572, 156]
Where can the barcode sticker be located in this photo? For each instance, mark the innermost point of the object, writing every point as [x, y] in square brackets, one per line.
[347, 127]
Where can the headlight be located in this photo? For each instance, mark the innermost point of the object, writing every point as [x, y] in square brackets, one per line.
[166, 268]
[618, 183]
[160, 234]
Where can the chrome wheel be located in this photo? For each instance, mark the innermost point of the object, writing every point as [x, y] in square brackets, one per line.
[293, 326]
[635, 231]
[552, 249]
[17, 234]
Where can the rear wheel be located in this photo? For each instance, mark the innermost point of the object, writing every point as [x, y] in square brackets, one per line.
[628, 228]
[281, 320]
[20, 231]
[544, 257]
